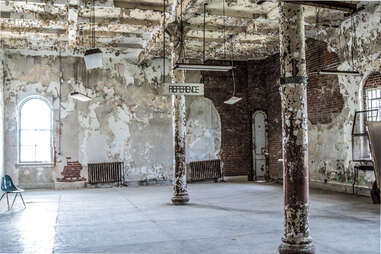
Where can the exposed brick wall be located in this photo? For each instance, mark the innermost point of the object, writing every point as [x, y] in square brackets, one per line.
[373, 81]
[257, 92]
[323, 96]
[323, 92]
[260, 79]
[235, 141]
[272, 74]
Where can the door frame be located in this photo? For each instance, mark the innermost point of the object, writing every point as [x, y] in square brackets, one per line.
[252, 174]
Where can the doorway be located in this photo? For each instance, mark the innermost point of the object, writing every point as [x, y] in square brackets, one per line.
[260, 147]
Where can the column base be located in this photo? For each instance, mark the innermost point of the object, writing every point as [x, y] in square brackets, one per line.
[181, 199]
[286, 248]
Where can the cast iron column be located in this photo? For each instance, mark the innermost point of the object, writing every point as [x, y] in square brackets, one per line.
[180, 193]
[293, 90]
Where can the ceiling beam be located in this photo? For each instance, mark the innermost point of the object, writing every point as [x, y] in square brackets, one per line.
[157, 6]
[334, 5]
[58, 27]
[72, 23]
[157, 36]
[235, 14]
[111, 12]
[45, 39]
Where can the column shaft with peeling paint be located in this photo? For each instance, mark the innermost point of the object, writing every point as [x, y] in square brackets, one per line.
[293, 89]
[180, 193]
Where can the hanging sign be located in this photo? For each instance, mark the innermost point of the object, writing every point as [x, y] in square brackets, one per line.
[183, 89]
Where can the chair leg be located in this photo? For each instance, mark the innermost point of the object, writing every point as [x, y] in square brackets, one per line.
[22, 200]
[2, 196]
[14, 200]
[6, 194]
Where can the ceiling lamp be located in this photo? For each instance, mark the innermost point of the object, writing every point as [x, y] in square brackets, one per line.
[93, 56]
[353, 48]
[335, 72]
[80, 96]
[233, 100]
[203, 66]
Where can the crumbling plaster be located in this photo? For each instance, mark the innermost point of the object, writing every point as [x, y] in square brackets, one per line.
[203, 137]
[203, 130]
[126, 120]
[330, 145]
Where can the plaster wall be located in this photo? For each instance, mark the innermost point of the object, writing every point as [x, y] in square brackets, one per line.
[125, 121]
[203, 131]
[357, 42]
[332, 101]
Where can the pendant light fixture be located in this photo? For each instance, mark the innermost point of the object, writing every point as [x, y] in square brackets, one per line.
[233, 99]
[338, 72]
[80, 96]
[93, 56]
[334, 72]
[203, 66]
[75, 94]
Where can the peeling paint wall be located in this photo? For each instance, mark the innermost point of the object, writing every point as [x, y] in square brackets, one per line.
[332, 100]
[331, 107]
[357, 42]
[125, 121]
[203, 131]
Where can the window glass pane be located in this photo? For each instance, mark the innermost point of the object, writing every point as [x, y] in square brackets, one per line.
[35, 146]
[374, 103]
[43, 146]
[35, 114]
[35, 132]
[27, 137]
[27, 153]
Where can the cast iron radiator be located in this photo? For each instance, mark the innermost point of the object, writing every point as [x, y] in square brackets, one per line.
[107, 172]
[205, 170]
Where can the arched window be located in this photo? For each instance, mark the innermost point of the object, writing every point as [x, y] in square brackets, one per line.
[35, 131]
[372, 96]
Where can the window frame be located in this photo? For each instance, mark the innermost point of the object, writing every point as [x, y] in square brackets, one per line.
[19, 109]
[367, 100]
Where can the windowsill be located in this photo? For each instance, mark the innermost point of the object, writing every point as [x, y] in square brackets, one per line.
[35, 165]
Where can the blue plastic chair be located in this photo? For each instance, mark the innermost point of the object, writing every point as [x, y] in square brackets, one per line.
[8, 187]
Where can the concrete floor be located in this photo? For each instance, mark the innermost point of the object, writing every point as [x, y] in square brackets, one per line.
[221, 218]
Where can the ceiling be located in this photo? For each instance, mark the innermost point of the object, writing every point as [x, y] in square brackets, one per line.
[133, 28]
